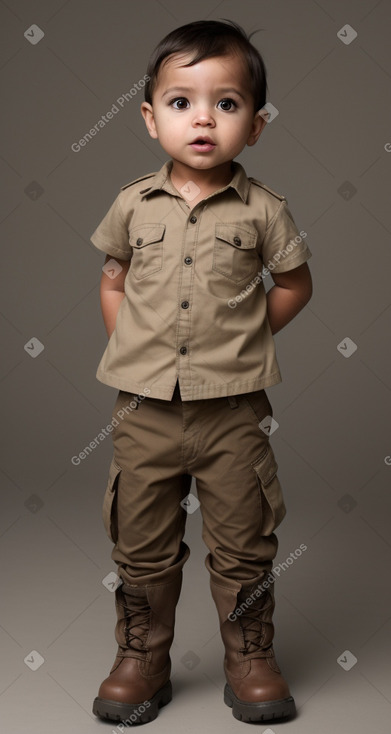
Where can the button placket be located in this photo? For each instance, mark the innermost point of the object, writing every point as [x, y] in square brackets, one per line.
[183, 333]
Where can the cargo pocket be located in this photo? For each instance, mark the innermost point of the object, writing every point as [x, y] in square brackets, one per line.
[109, 510]
[274, 509]
[234, 253]
[146, 241]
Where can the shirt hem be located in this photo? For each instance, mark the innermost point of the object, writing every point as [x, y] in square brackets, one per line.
[197, 392]
[285, 265]
[110, 249]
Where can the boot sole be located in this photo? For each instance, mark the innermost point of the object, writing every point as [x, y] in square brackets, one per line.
[133, 713]
[282, 708]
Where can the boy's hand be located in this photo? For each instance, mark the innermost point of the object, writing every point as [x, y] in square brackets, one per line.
[291, 292]
[111, 293]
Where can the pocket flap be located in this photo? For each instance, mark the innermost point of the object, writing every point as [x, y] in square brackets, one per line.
[113, 471]
[242, 238]
[266, 466]
[266, 471]
[146, 234]
[109, 502]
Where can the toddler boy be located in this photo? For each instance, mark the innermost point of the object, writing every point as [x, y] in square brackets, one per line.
[191, 352]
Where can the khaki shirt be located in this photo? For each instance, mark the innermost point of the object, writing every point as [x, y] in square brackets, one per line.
[195, 302]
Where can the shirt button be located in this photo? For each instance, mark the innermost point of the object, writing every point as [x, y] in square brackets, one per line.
[237, 240]
[188, 260]
[193, 219]
[183, 350]
[185, 304]
[139, 241]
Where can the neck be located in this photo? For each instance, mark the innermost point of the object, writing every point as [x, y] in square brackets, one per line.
[211, 179]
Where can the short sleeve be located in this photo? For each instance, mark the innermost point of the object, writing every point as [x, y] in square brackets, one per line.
[284, 247]
[112, 235]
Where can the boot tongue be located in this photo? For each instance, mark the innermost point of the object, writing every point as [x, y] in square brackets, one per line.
[252, 631]
[255, 621]
[137, 617]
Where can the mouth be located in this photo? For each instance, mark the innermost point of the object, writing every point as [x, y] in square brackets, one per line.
[203, 144]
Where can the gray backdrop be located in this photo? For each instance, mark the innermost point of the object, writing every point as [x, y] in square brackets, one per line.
[329, 151]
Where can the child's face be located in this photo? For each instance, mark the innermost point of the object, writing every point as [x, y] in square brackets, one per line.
[210, 99]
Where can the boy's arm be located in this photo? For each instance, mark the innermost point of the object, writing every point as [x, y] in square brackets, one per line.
[291, 292]
[111, 294]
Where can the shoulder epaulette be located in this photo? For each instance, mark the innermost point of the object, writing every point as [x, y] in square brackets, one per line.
[136, 180]
[267, 188]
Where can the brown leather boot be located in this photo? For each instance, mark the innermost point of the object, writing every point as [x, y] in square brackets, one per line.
[139, 680]
[255, 689]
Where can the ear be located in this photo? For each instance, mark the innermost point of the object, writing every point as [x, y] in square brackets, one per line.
[147, 113]
[258, 124]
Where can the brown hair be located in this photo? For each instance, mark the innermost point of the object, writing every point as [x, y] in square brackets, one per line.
[206, 39]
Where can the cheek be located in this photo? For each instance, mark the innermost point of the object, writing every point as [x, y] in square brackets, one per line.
[236, 129]
[168, 122]
[244, 128]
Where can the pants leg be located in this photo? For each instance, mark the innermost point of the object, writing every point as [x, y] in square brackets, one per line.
[142, 511]
[238, 488]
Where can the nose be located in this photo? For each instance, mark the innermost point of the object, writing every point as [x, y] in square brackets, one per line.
[203, 116]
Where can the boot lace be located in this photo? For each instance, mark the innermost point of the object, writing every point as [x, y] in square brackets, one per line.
[137, 623]
[256, 625]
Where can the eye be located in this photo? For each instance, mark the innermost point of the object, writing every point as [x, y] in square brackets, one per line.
[228, 103]
[180, 100]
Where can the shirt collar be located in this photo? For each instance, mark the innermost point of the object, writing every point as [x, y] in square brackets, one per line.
[161, 181]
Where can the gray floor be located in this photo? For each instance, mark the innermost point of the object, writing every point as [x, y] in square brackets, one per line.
[328, 151]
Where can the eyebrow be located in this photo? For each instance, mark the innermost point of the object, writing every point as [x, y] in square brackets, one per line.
[221, 90]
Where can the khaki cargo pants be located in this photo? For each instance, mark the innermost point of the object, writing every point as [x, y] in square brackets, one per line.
[159, 446]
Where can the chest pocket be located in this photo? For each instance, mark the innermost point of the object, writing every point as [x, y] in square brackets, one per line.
[147, 243]
[234, 253]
